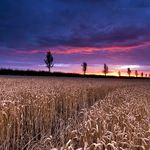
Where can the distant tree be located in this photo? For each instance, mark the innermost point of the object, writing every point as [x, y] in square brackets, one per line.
[119, 73]
[142, 74]
[84, 65]
[129, 71]
[136, 73]
[146, 75]
[149, 75]
[49, 60]
[105, 71]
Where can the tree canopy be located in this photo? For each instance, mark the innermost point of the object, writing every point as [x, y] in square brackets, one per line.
[49, 60]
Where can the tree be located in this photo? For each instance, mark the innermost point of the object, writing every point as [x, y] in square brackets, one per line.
[146, 75]
[49, 60]
[84, 65]
[119, 73]
[129, 71]
[136, 73]
[142, 74]
[105, 71]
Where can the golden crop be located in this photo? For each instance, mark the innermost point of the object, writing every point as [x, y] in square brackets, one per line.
[74, 113]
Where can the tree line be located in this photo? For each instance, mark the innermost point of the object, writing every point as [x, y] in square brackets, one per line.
[49, 64]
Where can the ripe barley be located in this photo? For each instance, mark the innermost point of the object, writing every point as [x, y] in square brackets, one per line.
[48, 113]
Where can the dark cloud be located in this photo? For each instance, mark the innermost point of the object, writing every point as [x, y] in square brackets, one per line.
[118, 37]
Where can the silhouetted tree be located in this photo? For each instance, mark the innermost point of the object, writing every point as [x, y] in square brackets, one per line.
[129, 71]
[142, 74]
[136, 73]
[84, 65]
[119, 73]
[105, 71]
[49, 60]
[149, 75]
[146, 75]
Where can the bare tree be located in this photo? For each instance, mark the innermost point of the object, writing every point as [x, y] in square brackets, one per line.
[146, 75]
[142, 74]
[84, 65]
[136, 73]
[49, 60]
[129, 71]
[119, 73]
[149, 75]
[105, 71]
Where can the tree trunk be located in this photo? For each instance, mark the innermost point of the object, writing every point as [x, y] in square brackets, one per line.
[84, 73]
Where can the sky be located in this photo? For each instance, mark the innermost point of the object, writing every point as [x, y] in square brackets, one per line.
[116, 33]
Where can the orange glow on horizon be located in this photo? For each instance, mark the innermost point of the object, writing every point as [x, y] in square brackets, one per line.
[123, 74]
[114, 74]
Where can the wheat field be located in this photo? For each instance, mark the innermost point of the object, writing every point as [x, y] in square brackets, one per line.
[49, 113]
